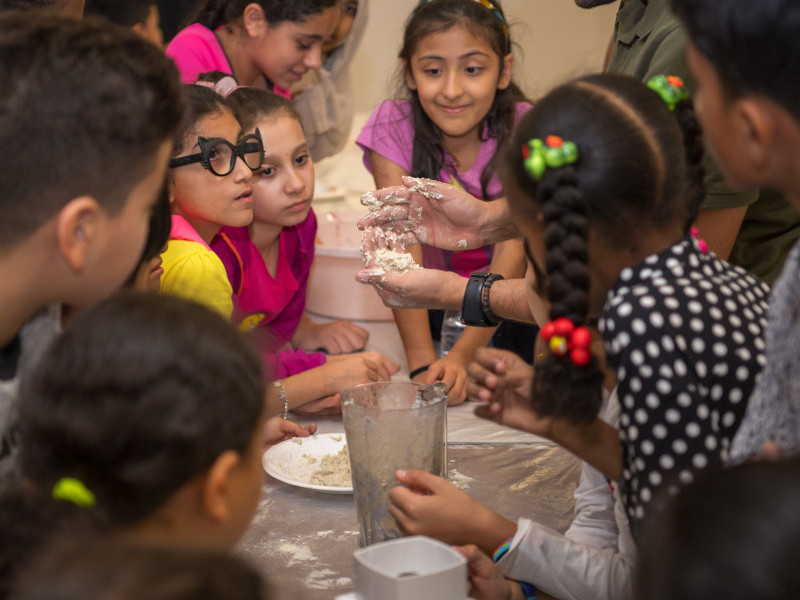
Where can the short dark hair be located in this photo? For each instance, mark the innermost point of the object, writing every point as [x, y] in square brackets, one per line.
[122, 12]
[214, 13]
[752, 45]
[732, 533]
[140, 394]
[84, 106]
[638, 164]
[201, 101]
[29, 4]
[102, 568]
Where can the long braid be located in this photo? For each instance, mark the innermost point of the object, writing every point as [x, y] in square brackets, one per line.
[695, 152]
[562, 388]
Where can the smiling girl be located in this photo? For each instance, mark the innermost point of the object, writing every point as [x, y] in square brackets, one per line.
[462, 103]
[267, 43]
[209, 186]
[268, 265]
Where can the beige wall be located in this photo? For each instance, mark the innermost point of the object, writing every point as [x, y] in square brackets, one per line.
[555, 41]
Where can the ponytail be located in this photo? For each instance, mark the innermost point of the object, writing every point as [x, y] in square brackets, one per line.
[562, 388]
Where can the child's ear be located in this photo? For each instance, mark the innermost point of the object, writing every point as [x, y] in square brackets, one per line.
[507, 71]
[756, 127]
[77, 226]
[217, 486]
[254, 19]
[412, 85]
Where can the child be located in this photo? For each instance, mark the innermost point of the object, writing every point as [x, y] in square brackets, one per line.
[149, 412]
[324, 98]
[752, 119]
[458, 70]
[613, 243]
[103, 569]
[730, 534]
[140, 15]
[268, 43]
[209, 186]
[74, 236]
[268, 265]
[147, 275]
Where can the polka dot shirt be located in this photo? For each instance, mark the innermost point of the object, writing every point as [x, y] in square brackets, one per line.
[684, 332]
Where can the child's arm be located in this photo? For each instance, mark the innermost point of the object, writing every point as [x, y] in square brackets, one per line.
[339, 337]
[337, 374]
[413, 323]
[509, 261]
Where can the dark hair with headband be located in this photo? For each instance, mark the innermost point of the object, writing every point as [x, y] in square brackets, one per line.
[215, 13]
[251, 104]
[202, 101]
[487, 22]
[632, 169]
[141, 394]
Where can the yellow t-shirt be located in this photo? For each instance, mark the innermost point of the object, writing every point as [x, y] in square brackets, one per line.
[194, 272]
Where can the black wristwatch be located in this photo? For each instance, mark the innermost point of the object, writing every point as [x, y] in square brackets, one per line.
[475, 310]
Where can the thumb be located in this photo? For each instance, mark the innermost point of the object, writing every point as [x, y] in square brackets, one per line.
[418, 479]
[371, 276]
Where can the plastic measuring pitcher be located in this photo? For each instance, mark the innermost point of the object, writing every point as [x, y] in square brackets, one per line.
[389, 426]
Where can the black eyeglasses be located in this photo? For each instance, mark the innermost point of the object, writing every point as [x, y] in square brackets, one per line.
[219, 155]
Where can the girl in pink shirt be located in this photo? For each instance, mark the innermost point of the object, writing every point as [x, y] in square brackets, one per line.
[268, 265]
[264, 43]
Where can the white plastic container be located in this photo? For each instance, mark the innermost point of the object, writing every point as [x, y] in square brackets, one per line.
[332, 288]
[412, 568]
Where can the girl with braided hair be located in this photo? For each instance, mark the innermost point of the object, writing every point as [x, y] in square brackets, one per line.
[603, 178]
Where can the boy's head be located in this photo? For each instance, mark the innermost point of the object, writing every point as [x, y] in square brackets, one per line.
[88, 113]
[745, 58]
[72, 8]
[140, 15]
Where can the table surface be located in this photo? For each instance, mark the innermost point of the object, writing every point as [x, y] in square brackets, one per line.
[303, 540]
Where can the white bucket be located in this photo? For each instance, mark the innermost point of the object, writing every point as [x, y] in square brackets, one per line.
[332, 288]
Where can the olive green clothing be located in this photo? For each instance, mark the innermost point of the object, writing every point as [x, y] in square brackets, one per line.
[650, 40]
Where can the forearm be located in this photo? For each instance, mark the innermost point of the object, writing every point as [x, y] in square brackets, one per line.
[508, 300]
[412, 324]
[304, 327]
[496, 224]
[596, 443]
[300, 389]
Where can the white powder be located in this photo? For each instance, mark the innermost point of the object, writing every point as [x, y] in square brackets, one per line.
[462, 244]
[334, 470]
[374, 204]
[396, 262]
[421, 187]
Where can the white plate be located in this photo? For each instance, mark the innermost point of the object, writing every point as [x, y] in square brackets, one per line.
[288, 461]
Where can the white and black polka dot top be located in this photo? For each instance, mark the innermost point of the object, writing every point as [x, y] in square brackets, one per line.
[684, 331]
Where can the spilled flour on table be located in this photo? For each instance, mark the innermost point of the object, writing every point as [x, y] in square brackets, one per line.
[459, 480]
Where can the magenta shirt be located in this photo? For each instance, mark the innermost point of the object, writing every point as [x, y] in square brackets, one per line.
[390, 133]
[271, 307]
[197, 50]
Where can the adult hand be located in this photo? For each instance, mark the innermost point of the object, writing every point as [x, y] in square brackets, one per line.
[504, 381]
[278, 429]
[418, 288]
[427, 504]
[338, 337]
[428, 212]
[485, 580]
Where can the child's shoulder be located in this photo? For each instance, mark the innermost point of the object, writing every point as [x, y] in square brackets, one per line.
[390, 111]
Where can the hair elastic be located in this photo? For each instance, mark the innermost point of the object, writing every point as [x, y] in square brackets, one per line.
[670, 88]
[551, 153]
[564, 338]
[224, 87]
[73, 490]
[493, 9]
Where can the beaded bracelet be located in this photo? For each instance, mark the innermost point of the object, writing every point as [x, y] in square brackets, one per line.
[282, 396]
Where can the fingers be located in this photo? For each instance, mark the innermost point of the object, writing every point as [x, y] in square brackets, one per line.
[453, 376]
[420, 481]
[384, 367]
[482, 383]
